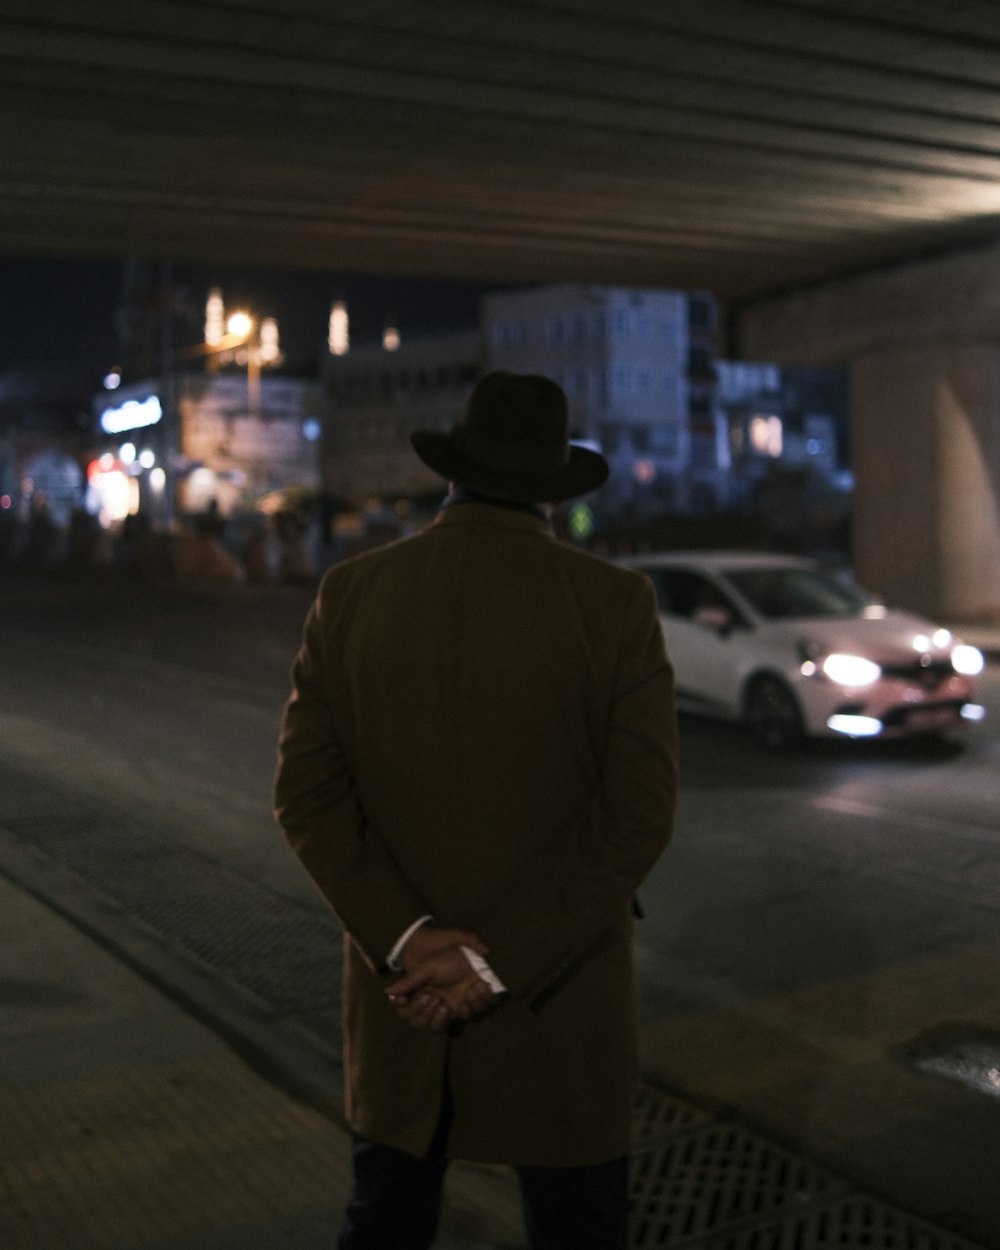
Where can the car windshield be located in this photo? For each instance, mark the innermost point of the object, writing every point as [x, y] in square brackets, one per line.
[789, 592]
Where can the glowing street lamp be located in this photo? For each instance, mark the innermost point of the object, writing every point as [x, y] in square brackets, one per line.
[240, 324]
[261, 344]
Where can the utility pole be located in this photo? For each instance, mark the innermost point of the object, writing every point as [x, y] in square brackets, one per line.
[168, 395]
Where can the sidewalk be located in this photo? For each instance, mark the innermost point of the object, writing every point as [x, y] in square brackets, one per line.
[128, 1125]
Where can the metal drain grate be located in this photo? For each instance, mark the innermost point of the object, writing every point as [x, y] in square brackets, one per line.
[853, 1223]
[716, 1176]
[657, 1114]
[287, 954]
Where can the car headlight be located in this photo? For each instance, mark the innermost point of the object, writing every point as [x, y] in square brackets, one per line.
[851, 670]
[967, 660]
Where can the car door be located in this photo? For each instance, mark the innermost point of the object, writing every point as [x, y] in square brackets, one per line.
[703, 629]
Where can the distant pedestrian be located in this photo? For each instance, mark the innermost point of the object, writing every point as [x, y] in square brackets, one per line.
[477, 766]
[42, 533]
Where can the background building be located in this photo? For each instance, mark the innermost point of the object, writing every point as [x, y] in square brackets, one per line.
[374, 396]
[638, 368]
[236, 455]
[44, 432]
[225, 453]
[687, 435]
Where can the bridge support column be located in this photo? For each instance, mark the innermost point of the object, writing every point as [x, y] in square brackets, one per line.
[921, 341]
[926, 446]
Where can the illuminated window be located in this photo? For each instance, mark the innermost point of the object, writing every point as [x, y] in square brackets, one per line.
[766, 435]
[339, 330]
[215, 317]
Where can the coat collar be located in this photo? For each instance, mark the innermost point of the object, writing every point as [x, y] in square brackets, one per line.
[464, 494]
[485, 515]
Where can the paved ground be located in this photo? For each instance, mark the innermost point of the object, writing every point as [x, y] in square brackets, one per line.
[133, 1122]
[129, 1124]
[182, 1109]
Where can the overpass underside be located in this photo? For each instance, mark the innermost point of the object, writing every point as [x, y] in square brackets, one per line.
[774, 152]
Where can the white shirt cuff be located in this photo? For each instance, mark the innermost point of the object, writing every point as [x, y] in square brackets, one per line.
[482, 968]
[393, 960]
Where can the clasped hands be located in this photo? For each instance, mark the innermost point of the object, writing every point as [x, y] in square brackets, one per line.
[439, 984]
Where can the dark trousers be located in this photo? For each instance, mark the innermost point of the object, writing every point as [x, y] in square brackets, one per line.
[396, 1202]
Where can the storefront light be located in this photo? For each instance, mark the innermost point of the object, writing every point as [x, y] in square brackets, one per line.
[111, 491]
[766, 434]
[131, 415]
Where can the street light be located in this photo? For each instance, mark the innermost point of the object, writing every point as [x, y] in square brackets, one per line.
[261, 344]
[240, 324]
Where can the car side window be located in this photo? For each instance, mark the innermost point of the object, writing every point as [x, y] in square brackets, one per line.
[674, 590]
[683, 593]
[687, 592]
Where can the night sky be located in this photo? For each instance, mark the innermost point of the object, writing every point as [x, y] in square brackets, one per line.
[61, 312]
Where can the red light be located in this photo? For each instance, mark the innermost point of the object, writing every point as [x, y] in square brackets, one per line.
[6, 502]
[106, 464]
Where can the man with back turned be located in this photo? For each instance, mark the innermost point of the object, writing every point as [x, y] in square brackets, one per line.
[477, 766]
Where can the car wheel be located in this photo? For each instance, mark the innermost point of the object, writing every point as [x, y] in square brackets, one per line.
[772, 714]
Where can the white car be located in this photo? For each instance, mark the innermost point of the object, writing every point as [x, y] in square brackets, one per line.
[790, 650]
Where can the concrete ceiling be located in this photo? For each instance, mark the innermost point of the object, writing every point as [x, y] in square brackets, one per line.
[743, 146]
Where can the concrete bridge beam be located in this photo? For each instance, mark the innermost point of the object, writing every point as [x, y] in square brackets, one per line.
[922, 343]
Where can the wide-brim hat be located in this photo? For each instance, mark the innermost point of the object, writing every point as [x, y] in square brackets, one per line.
[512, 441]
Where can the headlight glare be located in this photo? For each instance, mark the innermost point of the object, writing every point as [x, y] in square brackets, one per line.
[851, 670]
[967, 660]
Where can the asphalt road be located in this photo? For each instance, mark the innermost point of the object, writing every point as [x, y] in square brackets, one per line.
[820, 920]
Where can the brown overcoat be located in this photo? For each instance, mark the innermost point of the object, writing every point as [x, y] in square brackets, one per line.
[481, 727]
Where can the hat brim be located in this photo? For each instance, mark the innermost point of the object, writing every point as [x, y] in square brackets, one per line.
[583, 471]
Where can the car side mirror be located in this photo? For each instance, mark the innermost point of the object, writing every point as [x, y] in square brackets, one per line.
[719, 619]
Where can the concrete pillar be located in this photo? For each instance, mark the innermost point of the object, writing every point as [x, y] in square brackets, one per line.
[920, 338]
[926, 447]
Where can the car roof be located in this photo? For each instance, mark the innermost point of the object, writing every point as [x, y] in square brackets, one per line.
[718, 560]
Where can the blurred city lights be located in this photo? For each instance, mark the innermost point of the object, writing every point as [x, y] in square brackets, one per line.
[131, 415]
[967, 660]
[240, 323]
[766, 435]
[215, 317]
[339, 334]
[269, 351]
